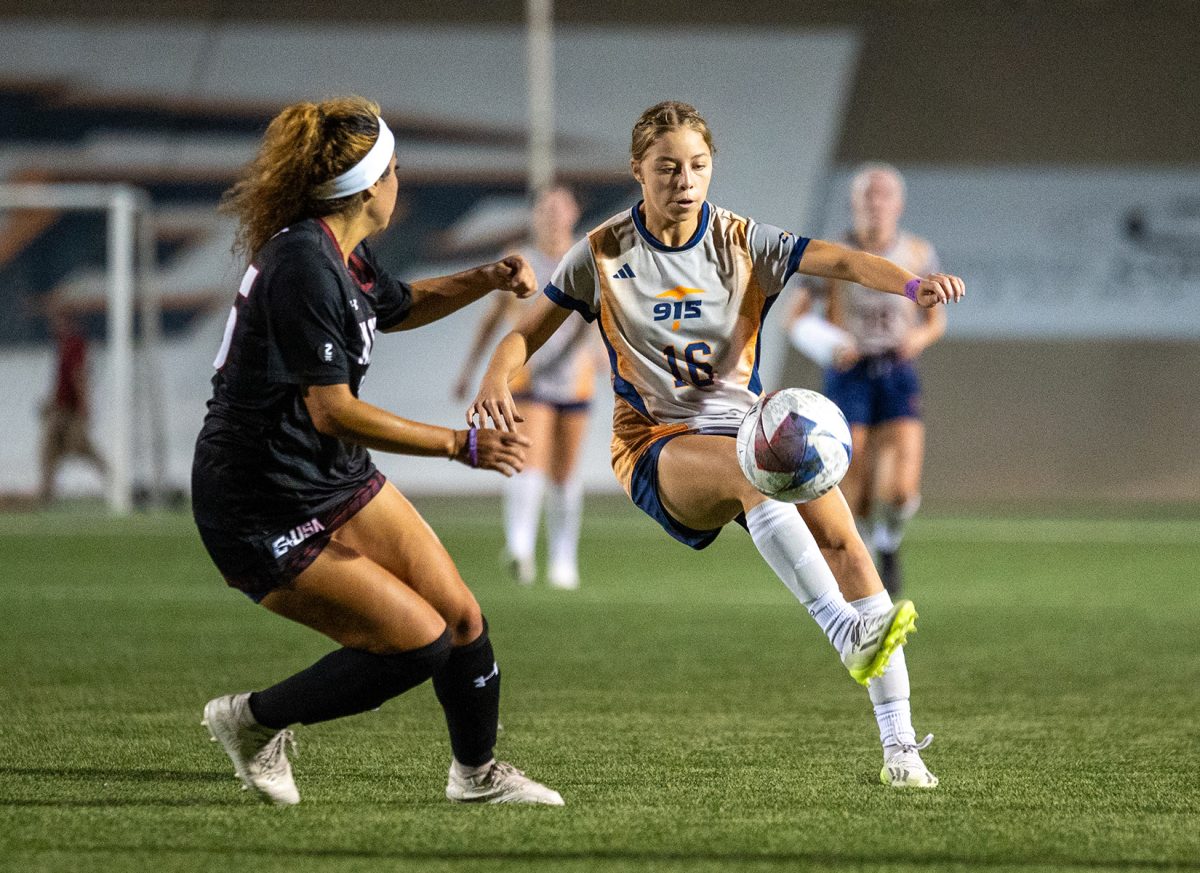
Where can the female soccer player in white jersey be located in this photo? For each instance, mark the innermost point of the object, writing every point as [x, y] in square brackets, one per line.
[679, 287]
[870, 372]
[554, 392]
[286, 498]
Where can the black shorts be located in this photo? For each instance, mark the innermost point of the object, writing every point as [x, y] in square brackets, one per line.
[258, 563]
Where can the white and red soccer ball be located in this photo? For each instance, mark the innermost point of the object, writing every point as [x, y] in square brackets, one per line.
[794, 445]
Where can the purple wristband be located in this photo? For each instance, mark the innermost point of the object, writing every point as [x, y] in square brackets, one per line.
[910, 289]
[473, 446]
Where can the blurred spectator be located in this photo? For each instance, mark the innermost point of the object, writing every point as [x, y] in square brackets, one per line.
[65, 411]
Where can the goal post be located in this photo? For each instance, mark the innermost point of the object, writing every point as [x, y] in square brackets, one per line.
[539, 58]
[129, 263]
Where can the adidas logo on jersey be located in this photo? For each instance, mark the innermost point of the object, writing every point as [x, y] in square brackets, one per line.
[626, 272]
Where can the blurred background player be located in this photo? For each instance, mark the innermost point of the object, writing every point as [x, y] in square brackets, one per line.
[65, 412]
[867, 346]
[679, 287]
[554, 393]
[288, 502]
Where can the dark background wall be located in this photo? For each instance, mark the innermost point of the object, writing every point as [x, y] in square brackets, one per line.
[944, 82]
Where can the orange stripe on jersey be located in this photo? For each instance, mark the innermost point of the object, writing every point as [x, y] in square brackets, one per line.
[632, 435]
[750, 316]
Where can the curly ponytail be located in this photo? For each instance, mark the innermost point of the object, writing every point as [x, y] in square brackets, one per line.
[305, 145]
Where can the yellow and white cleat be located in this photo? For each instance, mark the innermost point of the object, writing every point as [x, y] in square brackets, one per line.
[876, 639]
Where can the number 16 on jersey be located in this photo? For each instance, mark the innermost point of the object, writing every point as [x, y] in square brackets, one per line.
[699, 371]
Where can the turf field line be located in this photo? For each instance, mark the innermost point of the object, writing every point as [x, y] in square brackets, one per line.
[821, 859]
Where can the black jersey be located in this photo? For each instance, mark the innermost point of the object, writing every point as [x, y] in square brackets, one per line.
[302, 317]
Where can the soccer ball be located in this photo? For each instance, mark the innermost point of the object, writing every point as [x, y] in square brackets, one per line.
[794, 445]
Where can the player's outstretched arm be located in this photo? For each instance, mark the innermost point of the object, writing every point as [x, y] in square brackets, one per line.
[494, 401]
[483, 335]
[438, 297]
[337, 413]
[832, 261]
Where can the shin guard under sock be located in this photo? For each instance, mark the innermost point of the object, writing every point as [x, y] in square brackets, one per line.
[468, 687]
[346, 682]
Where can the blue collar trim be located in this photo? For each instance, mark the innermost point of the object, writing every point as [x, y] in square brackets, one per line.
[701, 230]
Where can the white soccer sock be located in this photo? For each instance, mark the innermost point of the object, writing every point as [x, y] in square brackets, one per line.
[564, 510]
[522, 511]
[890, 692]
[465, 772]
[891, 520]
[787, 545]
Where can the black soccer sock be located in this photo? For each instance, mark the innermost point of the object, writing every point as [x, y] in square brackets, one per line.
[468, 687]
[346, 682]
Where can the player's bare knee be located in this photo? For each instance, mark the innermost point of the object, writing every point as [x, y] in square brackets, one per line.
[466, 624]
[402, 636]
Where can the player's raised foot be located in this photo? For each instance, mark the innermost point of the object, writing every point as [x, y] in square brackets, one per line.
[563, 576]
[890, 572]
[522, 569]
[903, 768]
[259, 754]
[497, 782]
[876, 638]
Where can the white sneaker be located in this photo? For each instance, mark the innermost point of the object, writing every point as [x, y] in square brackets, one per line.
[259, 754]
[905, 769]
[563, 576]
[499, 783]
[876, 638]
[523, 570]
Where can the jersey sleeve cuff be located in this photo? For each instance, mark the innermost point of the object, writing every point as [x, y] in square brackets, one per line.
[556, 294]
[793, 263]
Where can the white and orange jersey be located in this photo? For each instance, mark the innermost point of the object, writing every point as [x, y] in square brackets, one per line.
[680, 324]
[563, 370]
[879, 322]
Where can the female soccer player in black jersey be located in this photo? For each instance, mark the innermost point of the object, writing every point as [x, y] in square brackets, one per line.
[287, 500]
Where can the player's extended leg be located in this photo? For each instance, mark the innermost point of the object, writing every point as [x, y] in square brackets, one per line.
[393, 534]
[523, 492]
[898, 492]
[392, 641]
[829, 519]
[564, 508]
[702, 487]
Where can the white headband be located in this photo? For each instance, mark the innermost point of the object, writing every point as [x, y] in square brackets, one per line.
[365, 173]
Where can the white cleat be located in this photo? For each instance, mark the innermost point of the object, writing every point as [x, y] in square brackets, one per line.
[564, 577]
[905, 769]
[500, 782]
[259, 754]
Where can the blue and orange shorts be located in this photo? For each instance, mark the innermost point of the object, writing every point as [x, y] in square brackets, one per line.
[637, 443]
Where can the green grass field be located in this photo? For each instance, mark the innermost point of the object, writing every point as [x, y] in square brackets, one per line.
[687, 708]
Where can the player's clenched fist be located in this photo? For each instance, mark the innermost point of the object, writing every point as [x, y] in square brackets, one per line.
[514, 274]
